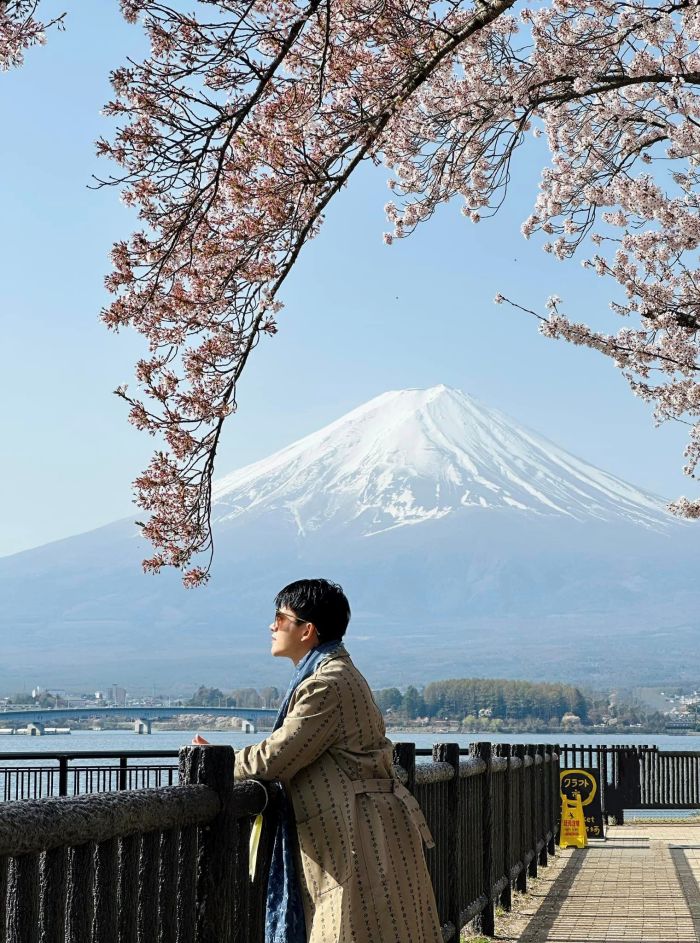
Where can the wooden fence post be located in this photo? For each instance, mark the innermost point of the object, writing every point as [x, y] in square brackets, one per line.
[243, 919]
[552, 817]
[147, 897]
[167, 887]
[532, 811]
[547, 767]
[405, 757]
[79, 900]
[629, 789]
[449, 753]
[521, 883]
[507, 892]
[186, 885]
[556, 784]
[52, 907]
[4, 873]
[614, 800]
[104, 923]
[23, 901]
[543, 777]
[127, 891]
[487, 914]
[218, 844]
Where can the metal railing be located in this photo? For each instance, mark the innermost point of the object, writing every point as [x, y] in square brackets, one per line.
[37, 775]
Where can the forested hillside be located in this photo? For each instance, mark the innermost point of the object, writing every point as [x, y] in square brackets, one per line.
[480, 704]
[465, 697]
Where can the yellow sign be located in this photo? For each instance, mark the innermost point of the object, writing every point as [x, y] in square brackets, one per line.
[573, 823]
[586, 784]
[578, 781]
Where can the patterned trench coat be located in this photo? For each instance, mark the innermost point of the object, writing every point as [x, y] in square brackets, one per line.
[362, 867]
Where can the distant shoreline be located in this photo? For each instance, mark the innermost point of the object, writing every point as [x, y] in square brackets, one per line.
[221, 725]
[544, 729]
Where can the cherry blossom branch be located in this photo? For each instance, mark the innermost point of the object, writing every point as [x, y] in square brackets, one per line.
[613, 88]
[556, 325]
[230, 189]
[238, 130]
[20, 29]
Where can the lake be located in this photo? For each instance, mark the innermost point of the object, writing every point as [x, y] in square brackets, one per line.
[118, 740]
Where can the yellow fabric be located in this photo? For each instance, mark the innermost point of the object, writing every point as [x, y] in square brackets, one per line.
[254, 845]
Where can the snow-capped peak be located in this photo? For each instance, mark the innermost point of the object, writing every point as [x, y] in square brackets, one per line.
[409, 456]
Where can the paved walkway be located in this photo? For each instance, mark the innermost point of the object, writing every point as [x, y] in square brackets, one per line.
[640, 886]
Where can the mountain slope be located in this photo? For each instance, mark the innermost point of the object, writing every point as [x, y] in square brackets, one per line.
[416, 455]
[466, 543]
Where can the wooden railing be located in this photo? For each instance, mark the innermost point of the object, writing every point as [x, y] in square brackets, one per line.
[494, 815]
[160, 865]
[169, 865]
[639, 777]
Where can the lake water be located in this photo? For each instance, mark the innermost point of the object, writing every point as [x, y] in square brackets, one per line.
[117, 740]
[123, 740]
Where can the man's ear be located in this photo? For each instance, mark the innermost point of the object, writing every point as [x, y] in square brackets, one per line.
[309, 632]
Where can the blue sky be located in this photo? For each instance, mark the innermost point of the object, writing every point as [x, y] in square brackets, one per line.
[360, 317]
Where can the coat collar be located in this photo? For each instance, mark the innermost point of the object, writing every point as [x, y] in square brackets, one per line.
[341, 652]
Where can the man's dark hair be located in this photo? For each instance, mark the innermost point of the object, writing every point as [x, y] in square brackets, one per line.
[318, 601]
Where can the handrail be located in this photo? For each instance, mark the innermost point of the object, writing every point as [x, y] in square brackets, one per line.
[472, 766]
[30, 826]
[90, 755]
[434, 773]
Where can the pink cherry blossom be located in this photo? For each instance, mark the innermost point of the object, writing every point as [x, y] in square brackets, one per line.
[247, 118]
[19, 29]
[234, 135]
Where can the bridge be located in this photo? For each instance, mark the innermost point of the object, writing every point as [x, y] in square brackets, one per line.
[682, 724]
[40, 718]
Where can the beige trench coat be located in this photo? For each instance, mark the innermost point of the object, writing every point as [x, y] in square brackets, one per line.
[361, 853]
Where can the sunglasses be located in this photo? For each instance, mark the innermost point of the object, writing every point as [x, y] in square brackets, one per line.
[281, 617]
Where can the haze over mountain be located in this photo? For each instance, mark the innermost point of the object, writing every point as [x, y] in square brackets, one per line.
[467, 544]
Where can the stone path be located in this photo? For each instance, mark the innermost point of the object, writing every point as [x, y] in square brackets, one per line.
[640, 886]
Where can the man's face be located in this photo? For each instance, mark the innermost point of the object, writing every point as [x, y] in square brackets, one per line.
[292, 637]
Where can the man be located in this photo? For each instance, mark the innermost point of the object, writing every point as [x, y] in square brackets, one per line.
[359, 833]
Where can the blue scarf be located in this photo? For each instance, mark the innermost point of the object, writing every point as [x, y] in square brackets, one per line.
[284, 911]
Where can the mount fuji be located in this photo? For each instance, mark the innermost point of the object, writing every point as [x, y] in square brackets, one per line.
[414, 456]
[467, 544]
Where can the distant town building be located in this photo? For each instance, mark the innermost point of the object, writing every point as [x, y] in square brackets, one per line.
[572, 720]
[117, 695]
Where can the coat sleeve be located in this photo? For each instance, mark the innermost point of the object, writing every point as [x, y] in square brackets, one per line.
[312, 726]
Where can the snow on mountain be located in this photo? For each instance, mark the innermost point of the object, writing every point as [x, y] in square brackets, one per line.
[411, 456]
[527, 563]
